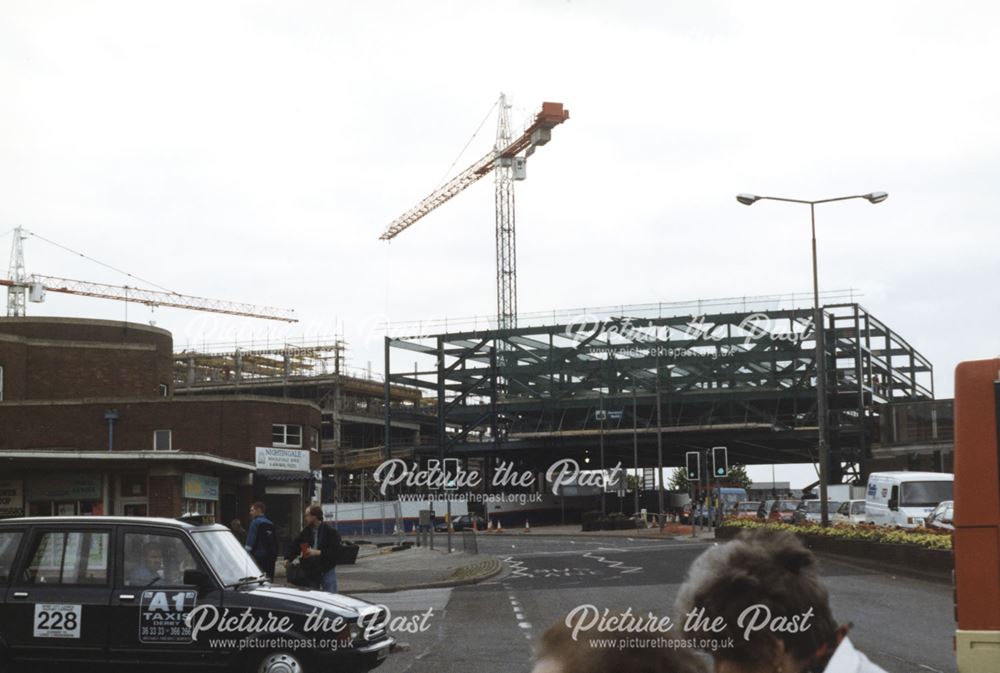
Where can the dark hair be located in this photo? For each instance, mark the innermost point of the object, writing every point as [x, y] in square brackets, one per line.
[597, 652]
[259, 506]
[760, 567]
[316, 511]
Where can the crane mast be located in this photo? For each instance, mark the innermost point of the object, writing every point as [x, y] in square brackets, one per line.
[16, 294]
[506, 242]
[507, 161]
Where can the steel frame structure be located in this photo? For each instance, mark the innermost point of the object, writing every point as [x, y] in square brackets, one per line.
[743, 379]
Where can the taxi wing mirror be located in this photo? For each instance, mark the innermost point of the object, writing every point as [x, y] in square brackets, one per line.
[197, 578]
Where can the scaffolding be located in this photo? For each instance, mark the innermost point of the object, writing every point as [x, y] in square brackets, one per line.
[743, 378]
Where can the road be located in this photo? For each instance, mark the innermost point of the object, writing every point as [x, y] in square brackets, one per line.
[903, 625]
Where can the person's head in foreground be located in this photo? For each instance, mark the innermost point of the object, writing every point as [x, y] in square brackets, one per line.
[597, 652]
[763, 589]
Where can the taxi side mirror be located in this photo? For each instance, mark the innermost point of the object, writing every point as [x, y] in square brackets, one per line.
[197, 578]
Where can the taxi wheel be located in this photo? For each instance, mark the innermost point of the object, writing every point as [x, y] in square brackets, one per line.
[280, 662]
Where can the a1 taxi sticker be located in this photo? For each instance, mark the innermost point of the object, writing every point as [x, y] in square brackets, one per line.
[162, 614]
[56, 620]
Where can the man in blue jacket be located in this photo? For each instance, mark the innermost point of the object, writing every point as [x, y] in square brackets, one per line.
[262, 539]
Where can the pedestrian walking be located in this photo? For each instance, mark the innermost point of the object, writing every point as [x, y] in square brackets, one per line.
[239, 531]
[262, 539]
[317, 545]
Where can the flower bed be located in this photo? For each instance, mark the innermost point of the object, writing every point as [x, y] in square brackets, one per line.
[920, 537]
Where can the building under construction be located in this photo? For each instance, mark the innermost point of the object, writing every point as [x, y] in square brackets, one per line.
[352, 432]
[631, 384]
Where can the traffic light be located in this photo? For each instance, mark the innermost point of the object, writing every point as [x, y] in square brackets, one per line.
[452, 467]
[693, 459]
[444, 474]
[720, 461]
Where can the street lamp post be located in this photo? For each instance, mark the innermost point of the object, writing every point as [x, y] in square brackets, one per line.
[635, 444]
[821, 411]
[659, 440]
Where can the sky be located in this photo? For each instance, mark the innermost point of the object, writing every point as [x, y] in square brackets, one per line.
[254, 152]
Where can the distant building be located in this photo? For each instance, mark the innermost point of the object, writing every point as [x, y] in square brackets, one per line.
[89, 424]
[352, 405]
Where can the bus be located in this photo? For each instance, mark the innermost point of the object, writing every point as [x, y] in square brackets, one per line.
[977, 516]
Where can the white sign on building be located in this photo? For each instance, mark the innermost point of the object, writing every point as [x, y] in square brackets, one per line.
[291, 460]
[11, 495]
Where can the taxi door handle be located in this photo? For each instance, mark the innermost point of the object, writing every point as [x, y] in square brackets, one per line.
[126, 597]
[20, 594]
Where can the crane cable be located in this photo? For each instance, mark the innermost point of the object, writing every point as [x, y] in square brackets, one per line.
[478, 129]
[97, 261]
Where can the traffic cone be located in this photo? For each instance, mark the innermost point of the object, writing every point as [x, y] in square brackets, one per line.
[527, 526]
[499, 526]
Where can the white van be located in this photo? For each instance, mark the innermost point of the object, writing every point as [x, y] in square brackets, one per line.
[905, 498]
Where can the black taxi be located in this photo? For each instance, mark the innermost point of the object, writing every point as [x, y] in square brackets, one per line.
[126, 590]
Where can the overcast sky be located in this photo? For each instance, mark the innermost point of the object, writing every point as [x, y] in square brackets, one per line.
[255, 152]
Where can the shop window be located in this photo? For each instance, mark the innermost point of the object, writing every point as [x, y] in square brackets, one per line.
[283, 434]
[69, 558]
[190, 506]
[162, 440]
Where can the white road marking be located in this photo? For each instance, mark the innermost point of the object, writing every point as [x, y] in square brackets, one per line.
[617, 565]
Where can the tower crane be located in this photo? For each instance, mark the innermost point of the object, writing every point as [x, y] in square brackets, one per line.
[21, 286]
[507, 161]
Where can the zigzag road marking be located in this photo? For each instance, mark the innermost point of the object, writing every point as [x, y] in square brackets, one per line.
[517, 568]
[617, 565]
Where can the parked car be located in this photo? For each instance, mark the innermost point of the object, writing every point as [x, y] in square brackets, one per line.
[809, 511]
[747, 509]
[460, 523]
[942, 517]
[764, 509]
[782, 511]
[850, 511]
[118, 590]
[905, 498]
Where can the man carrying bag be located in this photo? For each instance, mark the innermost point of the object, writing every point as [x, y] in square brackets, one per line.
[315, 549]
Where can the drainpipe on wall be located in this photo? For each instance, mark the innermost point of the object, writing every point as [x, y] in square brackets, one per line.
[111, 417]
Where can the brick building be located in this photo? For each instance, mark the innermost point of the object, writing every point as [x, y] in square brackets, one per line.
[89, 425]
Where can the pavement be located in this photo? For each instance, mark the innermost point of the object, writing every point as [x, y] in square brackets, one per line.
[381, 570]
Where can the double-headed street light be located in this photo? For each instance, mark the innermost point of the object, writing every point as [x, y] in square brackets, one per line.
[821, 412]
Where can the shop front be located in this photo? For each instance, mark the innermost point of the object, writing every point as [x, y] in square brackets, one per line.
[284, 482]
[66, 494]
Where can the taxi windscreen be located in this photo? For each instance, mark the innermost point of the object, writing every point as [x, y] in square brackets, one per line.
[225, 554]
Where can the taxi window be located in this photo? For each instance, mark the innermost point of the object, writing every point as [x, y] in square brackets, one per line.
[153, 558]
[64, 557]
[9, 542]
